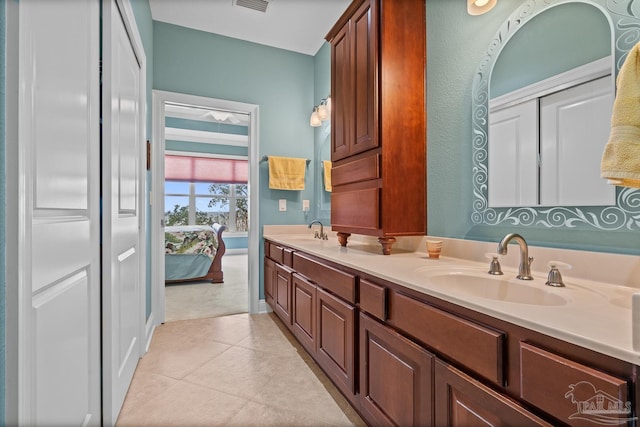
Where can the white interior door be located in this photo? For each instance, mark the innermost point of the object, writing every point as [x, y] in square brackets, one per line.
[574, 128]
[123, 208]
[513, 155]
[59, 216]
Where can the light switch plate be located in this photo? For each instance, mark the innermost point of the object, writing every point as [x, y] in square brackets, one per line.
[282, 205]
[305, 206]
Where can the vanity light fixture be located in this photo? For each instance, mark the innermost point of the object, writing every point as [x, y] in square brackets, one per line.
[315, 118]
[478, 7]
[321, 112]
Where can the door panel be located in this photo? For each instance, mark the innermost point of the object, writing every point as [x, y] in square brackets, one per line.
[59, 225]
[55, 348]
[123, 271]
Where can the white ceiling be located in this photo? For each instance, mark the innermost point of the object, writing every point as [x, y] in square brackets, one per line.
[296, 25]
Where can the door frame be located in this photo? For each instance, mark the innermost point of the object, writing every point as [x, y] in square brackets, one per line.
[157, 194]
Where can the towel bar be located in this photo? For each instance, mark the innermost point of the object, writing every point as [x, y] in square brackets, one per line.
[265, 158]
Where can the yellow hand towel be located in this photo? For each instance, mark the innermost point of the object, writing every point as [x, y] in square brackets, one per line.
[327, 175]
[286, 173]
[621, 159]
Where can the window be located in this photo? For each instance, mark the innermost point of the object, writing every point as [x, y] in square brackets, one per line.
[205, 191]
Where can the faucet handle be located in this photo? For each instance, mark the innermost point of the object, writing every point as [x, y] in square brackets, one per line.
[555, 278]
[494, 268]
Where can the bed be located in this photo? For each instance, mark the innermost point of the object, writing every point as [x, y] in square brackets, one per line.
[194, 252]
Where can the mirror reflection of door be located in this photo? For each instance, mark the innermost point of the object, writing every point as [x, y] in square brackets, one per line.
[551, 97]
[206, 184]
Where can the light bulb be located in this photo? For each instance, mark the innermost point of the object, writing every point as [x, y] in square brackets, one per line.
[315, 120]
[323, 114]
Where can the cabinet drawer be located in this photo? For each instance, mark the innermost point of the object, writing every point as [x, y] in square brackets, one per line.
[358, 208]
[336, 281]
[359, 170]
[287, 257]
[373, 299]
[276, 252]
[572, 392]
[475, 346]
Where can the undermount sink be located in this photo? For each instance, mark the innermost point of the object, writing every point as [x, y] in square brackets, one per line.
[497, 288]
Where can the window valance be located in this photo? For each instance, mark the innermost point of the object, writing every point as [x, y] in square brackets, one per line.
[205, 169]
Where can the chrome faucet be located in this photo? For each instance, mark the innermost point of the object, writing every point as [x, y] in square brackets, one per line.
[524, 269]
[320, 235]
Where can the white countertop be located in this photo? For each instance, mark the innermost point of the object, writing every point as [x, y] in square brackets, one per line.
[594, 315]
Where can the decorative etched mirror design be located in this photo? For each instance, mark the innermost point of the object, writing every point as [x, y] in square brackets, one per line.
[624, 19]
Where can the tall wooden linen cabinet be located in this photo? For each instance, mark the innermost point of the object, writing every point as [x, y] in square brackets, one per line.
[378, 129]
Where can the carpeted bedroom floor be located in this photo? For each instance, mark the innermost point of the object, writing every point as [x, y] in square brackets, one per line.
[195, 300]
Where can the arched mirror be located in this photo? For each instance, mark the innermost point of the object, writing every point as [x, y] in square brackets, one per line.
[541, 110]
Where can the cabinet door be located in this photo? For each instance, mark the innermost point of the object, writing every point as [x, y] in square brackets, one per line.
[462, 401]
[341, 97]
[304, 312]
[353, 59]
[335, 340]
[269, 281]
[282, 295]
[396, 377]
[363, 63]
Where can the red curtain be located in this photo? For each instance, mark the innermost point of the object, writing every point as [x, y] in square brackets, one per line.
[204, 169]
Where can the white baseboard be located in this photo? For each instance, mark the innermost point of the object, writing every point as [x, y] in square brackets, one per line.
[263, 307]
[149, 329]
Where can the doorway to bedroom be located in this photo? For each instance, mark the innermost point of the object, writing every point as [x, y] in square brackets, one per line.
[206, 192]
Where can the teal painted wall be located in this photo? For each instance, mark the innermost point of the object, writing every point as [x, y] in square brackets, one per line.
[142, 13]
[456, 43]
[280, 82]
[3, 281]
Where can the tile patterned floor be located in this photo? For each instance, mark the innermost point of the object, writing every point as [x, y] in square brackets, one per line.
[240, 370]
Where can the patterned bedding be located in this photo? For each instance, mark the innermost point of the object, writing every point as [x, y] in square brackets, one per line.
[190, 239]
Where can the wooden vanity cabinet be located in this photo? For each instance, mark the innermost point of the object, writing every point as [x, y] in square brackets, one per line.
[278, 280]
[405, 358]
[324, 318]
[378, 129]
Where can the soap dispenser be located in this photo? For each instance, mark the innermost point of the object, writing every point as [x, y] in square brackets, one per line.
[555, 278]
